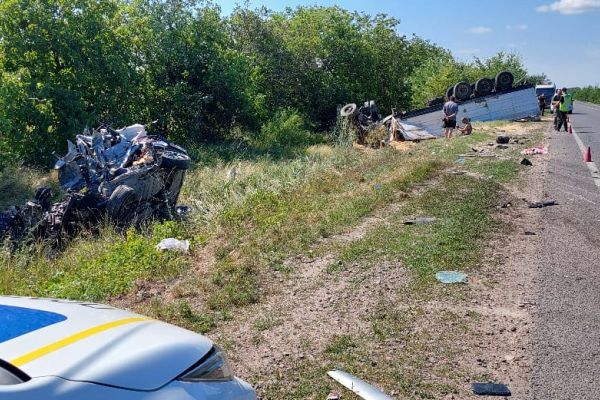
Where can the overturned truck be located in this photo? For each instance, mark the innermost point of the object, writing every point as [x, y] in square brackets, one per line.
[123, 175]
[486, 100]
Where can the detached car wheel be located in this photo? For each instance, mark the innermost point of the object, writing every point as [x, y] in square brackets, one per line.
[348, 110]
[174, 159]
[122, 205]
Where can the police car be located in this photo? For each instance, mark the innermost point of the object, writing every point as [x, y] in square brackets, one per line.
[56, 349]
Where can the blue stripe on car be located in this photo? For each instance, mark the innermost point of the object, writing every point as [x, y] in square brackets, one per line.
[17, 321]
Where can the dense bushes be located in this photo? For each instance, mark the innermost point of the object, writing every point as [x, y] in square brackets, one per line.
[588, 93]
[69, 64]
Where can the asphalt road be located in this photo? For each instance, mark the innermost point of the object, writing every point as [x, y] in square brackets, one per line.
[567, 322]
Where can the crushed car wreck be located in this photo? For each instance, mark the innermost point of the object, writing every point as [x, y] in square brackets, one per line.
[125, 175]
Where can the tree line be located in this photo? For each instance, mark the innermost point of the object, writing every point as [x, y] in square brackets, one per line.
[587, 93]
[68, 64]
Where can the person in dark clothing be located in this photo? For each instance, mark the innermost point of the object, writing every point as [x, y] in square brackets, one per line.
[564, 104]
[555, 104]
[542, 103]
[450, 110]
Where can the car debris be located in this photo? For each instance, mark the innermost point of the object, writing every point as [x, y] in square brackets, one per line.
[451, 277]
[174, 244]
[534, 150]
[370, 130]
[526, 162]
[358, 386]
[490, 389]
[125, 175]
[419, 221]
[542, 204]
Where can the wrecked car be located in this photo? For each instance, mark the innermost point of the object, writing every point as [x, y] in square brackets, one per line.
[124, 174]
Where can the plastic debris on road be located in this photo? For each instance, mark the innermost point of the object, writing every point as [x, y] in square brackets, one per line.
[490, 389]
[535, 150]
[419, 221]
[451, 277]
[358, 386]
[542, 204]
[174, 245]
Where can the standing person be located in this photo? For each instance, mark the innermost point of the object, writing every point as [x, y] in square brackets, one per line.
[563, 108]
[450, 110]
[542, 103]
[555, 103]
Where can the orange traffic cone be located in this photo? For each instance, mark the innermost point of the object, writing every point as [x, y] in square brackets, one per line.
[588, 155]
[570, 129]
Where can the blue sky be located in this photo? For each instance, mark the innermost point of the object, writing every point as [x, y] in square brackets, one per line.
[558, 37]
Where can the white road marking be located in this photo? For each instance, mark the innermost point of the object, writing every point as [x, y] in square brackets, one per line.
[591, 165]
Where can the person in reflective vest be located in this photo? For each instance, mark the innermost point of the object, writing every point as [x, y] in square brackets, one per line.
[563, 109]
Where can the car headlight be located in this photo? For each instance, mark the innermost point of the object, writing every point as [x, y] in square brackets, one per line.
[212, 367]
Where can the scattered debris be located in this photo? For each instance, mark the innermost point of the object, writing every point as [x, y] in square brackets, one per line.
[419, 221]
[182, 211]
[529, 233]
[502, 147]
[526, 162]
[231, 173]
[377, 186]
[125, 174]
[333, 396]
[542, 204]
[451, 277]
[460, 160]
[534, 150]
[455, 172]
[490, 389]
[174, 244]
[503, 139]
[358, 386]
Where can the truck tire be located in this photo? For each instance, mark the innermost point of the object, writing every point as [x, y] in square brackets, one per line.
[462, 91]
[504, 81]
[484, 86]
[174, 159]
[450, 92]
[122, 206]
[348, 110]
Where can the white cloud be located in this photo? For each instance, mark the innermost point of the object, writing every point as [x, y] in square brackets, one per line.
[570, 7]
[519, 27]
[479, 30]
[467, 52]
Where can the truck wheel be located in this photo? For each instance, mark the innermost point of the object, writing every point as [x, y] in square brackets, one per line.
[484, 86]
[462, 91]
[174, 159]
[504, 81]
[348, 110]
[122, 206]
[450, 92]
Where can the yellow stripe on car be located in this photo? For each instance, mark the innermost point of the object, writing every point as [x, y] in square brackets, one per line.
[42, 351]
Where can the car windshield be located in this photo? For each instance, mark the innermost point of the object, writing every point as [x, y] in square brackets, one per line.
[18, 321]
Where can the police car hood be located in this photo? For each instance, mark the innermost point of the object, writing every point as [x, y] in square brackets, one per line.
[94, 343]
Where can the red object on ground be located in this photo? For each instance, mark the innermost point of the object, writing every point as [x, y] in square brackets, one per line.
[588, 155]
[570, 129]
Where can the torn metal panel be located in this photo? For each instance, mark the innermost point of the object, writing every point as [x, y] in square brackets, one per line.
[358, 386]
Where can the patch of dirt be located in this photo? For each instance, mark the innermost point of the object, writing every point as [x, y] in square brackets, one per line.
[503, 292]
